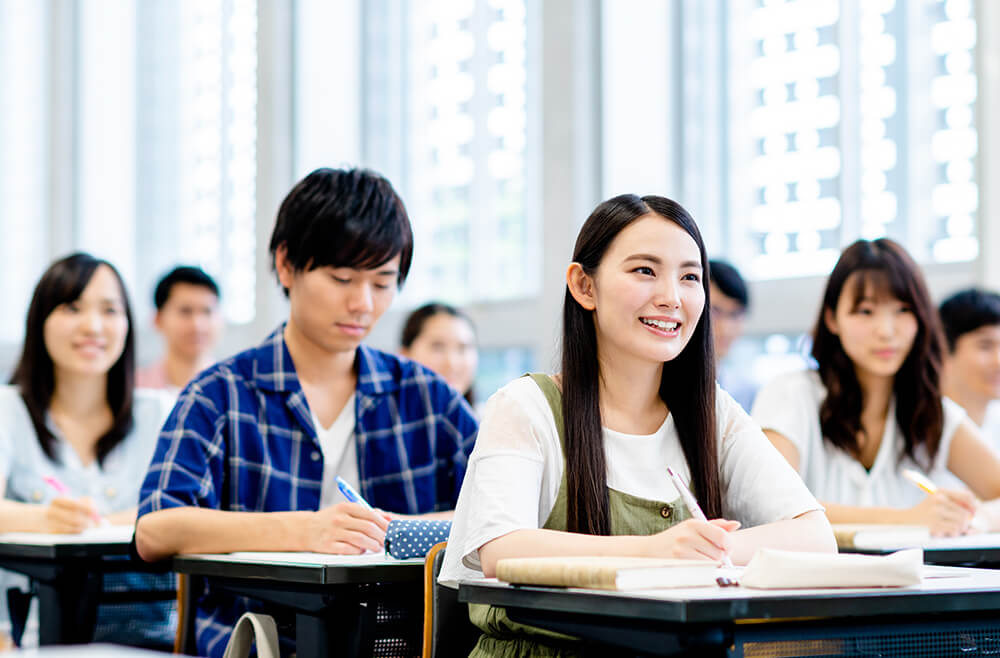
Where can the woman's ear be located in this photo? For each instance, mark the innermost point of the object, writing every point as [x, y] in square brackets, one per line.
[830, 320]
[581, 286]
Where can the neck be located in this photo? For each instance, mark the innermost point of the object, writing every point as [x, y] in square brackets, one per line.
[876, 392]
[79, 396]
[974, 405]
[315, 365]
[629, 389]
[181, 368]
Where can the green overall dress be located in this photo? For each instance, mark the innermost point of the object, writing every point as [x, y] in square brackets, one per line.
[630, 515]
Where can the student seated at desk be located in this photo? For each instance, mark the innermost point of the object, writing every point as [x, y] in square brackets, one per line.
[874, 406]
[75, 439]
[269, 429]
[442, 338]
[575, 464]
[971, 375]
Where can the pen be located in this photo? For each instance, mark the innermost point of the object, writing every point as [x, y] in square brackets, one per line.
[692, 505]
[63, 490]
[920, 480]
[350, 494]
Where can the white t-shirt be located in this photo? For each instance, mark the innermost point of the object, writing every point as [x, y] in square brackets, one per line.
[790, 406]
[990, 430]
[340, 454]
[517, 465]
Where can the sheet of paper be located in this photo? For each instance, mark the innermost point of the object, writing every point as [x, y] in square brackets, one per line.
[111, 534]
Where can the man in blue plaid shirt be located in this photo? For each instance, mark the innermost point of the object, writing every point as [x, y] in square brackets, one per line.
[247, 459]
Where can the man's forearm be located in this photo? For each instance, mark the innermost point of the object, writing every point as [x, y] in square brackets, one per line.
[181, 530]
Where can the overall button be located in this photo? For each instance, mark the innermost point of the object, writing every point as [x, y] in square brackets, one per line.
[315, 455]
[666, 511]
[36, 495]
[110, 492]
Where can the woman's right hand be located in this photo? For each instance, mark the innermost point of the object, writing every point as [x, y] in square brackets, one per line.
[694, 540]
[68, 515]
[947, 513]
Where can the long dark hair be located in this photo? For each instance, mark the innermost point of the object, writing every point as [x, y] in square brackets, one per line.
[884, 267]
[687, 386]
[34, 375]
[415, 324]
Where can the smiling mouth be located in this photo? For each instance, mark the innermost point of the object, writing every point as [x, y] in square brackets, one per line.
[660, 324]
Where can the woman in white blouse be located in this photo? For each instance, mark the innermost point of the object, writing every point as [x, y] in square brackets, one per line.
[75, 439]
[575, 464]
[874, 407]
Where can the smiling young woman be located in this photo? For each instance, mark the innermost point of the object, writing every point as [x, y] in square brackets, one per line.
[576, 463]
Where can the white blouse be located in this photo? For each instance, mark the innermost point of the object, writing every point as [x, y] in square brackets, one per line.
[516, 468]
[790, 406]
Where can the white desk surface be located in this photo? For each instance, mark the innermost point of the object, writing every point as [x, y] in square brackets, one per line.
[935, 579]
[303, 559]
[112, 534]
[983, 540]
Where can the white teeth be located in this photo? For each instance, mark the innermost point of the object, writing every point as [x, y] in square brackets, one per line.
[660, 324]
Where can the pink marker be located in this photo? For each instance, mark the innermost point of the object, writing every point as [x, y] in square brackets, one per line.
[63, 490]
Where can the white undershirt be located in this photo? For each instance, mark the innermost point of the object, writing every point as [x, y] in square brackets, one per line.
[340, 454]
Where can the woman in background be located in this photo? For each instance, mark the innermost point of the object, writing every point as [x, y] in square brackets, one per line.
[442, 338]
[874, 407]
[75, 439]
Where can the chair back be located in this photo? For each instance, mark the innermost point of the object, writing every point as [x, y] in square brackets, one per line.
[448, 633]
[188, 589]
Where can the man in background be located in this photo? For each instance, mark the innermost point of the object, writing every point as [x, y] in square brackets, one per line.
[730, 300]
[971, 375]
[190, 320]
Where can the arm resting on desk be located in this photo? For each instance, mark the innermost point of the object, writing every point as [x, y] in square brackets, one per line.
[691, 539]
[344, 528]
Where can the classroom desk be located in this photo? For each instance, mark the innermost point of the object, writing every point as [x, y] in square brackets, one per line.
[970, 551]
[956, 615]
[334, 597]
[68, 572]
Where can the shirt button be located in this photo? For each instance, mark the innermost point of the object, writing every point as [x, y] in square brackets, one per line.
[110, 492]
[315, 455]
[36, 495]
[666, 512]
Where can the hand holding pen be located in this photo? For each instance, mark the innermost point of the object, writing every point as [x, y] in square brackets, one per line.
[706, 539]
[65, 514]
[947, 512]
[348, 528]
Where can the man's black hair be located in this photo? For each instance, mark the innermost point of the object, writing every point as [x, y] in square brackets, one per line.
[343, 218]
[194, 276]
[968, 310]
[727, 279]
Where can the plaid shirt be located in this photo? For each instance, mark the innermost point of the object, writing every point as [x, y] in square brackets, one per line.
[241, 438]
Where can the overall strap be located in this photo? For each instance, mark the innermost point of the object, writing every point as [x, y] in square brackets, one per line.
[554, 397]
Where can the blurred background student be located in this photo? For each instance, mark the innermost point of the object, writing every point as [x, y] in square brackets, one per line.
[71, 415]
[442, 338]
[730, 300]
[971, 375]
[190, 321]
[874, 407]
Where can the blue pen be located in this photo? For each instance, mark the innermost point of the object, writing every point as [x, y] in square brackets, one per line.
[350, 494]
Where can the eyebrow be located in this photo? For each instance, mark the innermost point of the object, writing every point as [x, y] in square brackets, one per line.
[659, 261]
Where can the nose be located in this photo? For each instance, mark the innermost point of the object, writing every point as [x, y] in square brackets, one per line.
[886, 325]
[669, 293]
[92, 321]
[361, 299]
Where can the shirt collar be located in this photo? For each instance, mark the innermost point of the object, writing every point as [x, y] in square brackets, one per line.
[275, 371]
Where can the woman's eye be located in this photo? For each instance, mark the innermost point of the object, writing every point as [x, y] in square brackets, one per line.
[648, 271]
[72, 307]
[691, 277]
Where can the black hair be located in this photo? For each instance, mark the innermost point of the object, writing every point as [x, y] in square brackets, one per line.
[884, 267]
[415, 324]
[687, 385]
[966, 311]
[194, 276]
[63, 282]
[729, 282]
[343, 218]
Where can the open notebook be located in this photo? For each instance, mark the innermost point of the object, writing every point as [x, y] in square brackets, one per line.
[614, 573]
[860, 536]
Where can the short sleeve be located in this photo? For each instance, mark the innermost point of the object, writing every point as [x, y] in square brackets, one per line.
[789, 406]
[503, 488]
[187, 463]
[760, 485]
[954, 415]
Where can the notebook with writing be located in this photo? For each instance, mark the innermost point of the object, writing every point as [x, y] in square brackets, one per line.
[612, 573]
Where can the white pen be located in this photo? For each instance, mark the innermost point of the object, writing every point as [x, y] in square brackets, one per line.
[692, 506]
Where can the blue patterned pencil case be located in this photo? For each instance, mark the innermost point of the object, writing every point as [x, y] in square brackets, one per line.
[407, 538]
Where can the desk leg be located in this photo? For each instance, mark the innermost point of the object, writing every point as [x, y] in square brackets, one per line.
[67, 609]
[341, 631]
